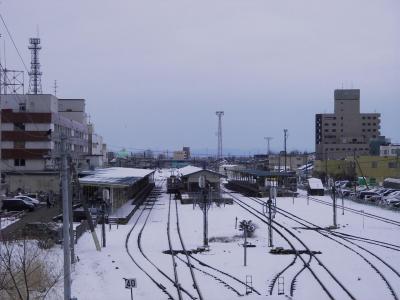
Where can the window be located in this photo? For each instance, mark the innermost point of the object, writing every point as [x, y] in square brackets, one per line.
[19, 126]
[19, 145]
[363, 124]
[333, 130]
[392, 164]
[19, 162]
[395, 151]
[22, 107]
[374, 164]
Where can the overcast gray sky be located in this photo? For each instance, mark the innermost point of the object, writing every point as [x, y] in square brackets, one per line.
[155, 71]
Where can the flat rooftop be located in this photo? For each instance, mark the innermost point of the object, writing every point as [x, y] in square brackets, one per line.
[115, 176]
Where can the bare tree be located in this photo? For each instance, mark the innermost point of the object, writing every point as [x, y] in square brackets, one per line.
[28, 272]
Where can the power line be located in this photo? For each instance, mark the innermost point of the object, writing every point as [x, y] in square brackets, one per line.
[12, 40]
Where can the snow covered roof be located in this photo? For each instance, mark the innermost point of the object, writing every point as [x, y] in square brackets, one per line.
[263, 173]
[315, 184]
[188, 170]
[392, 180]
[228, 166]
[115, 176]
[308, 166]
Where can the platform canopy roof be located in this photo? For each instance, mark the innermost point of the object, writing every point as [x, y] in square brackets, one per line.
[263, 173]
[114, 176]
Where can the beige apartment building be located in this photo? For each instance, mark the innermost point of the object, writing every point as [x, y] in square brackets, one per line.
[347, 131]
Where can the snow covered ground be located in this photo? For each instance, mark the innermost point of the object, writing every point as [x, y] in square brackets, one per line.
[99, 275]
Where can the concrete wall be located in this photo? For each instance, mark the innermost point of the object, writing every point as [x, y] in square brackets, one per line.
[33, 183]
[30, 164]
[73, 109]
[34, 103]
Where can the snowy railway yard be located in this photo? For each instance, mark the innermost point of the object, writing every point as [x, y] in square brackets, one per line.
[358, 260]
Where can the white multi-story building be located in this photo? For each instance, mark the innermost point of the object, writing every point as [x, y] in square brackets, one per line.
[31, 130]
[390, 150]
[97, 154]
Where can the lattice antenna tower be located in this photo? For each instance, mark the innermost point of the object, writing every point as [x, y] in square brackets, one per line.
[219, 114]
[35, 75]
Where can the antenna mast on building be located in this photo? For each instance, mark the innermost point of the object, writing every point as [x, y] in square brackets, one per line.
[55, 87]
[35, 83]
[268, 139]
[219, 114]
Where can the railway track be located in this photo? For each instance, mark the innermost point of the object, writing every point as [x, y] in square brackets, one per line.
[355, 211]
[328, 234]
[347, 238]
[188, 262]
[128, 250]
[139, 237]
[262, 217]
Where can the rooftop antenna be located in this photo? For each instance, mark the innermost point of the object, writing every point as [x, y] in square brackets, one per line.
[35, 83]
[268, 139]
[55, 87]
[219, 114]
[11, 81]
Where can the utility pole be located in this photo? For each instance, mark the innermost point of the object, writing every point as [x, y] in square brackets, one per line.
[355, 172]
[269, 203]
[103, 225]
[219, 114]
[326, 167]
[71, 218]
[205, 219]
[285, 134]
[66, 237]
[334, 206]
[205, 205]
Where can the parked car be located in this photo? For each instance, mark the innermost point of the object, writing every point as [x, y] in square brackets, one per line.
[29, 199]
[362, 195]
[391, 195]
[17, 204]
